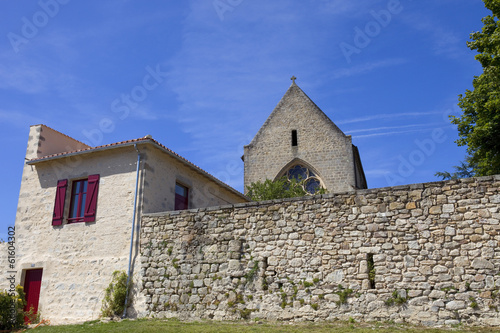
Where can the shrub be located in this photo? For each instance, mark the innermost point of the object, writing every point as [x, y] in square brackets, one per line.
[396, 299]
[12, 309]
[343, 295]
[113, 303]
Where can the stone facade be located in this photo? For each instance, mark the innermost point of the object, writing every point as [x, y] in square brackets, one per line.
[78, 259]
[320, 146]
[4, 263]
[425, 254]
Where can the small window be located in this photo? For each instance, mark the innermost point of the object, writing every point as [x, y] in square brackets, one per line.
[294, 138]
[371, 270]
[78, 198]
[181, 197]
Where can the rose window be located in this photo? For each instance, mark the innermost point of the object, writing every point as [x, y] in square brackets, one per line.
[310, 182]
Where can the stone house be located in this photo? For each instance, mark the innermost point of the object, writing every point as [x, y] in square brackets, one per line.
[76, 209]
[298, 140]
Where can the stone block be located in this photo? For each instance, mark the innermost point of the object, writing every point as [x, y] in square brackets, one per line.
[455, 305]
[297, 262]
[434, 210]
[449, 231]
[448, 208]
[411, 205]
[234, 246]
[480, 263]
[439, 269]
[307, 237]
[234, 265]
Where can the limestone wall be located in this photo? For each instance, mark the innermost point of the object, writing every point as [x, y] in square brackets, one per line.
[77, 259]
[4, 267]
[434, 248]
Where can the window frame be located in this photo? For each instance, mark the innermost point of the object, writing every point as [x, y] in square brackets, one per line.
[81, 204]
[295, 141]
[310, 175]
[181, 201]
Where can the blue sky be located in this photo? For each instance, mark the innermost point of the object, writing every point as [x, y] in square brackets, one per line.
[386, 72]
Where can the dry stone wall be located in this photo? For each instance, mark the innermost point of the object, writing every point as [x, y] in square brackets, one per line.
[425, 253]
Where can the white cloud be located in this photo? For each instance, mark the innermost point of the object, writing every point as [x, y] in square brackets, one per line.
[387, 116]
[366, 68]
[374, 129]
[390, 133]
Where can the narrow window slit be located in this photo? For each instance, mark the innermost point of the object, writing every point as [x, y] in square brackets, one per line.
[371, 270]
[294, 138]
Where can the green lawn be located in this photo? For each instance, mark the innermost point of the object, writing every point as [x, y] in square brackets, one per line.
[152, 326]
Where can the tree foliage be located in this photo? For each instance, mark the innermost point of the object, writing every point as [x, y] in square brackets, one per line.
[279, 189]
[479, 124]
[464, 170]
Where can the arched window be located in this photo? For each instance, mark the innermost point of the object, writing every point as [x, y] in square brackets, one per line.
[301, 173]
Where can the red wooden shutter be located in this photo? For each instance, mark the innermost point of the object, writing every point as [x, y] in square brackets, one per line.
[91, 201]
[58, 216]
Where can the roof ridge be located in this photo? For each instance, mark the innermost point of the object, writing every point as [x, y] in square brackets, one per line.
[293, 86]
[147, 138]
[89, 148]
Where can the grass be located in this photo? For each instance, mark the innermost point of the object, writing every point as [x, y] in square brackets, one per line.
[172, 325]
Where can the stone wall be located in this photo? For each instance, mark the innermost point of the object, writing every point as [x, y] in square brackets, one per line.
[425, 254]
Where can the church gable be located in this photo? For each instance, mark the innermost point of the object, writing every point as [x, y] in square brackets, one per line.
[296, 111]
[297, 132]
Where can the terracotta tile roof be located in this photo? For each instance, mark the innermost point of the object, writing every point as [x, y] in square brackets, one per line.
[146, 139]
[90, 149]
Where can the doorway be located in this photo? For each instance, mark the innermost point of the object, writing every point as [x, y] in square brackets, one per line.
[32, 284]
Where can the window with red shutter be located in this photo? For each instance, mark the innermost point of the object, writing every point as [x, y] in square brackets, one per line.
[58, 215]
[84, 200]
[91, 202]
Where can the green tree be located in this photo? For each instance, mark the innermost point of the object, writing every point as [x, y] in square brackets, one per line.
[279, 189]
[464, 170]
[479, 124]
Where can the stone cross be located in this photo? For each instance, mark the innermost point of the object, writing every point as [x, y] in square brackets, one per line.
[293, 78]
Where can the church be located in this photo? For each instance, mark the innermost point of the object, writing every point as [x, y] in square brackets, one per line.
[299, 141]
[79, 206]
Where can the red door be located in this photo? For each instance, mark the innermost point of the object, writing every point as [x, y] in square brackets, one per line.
[32, 283]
